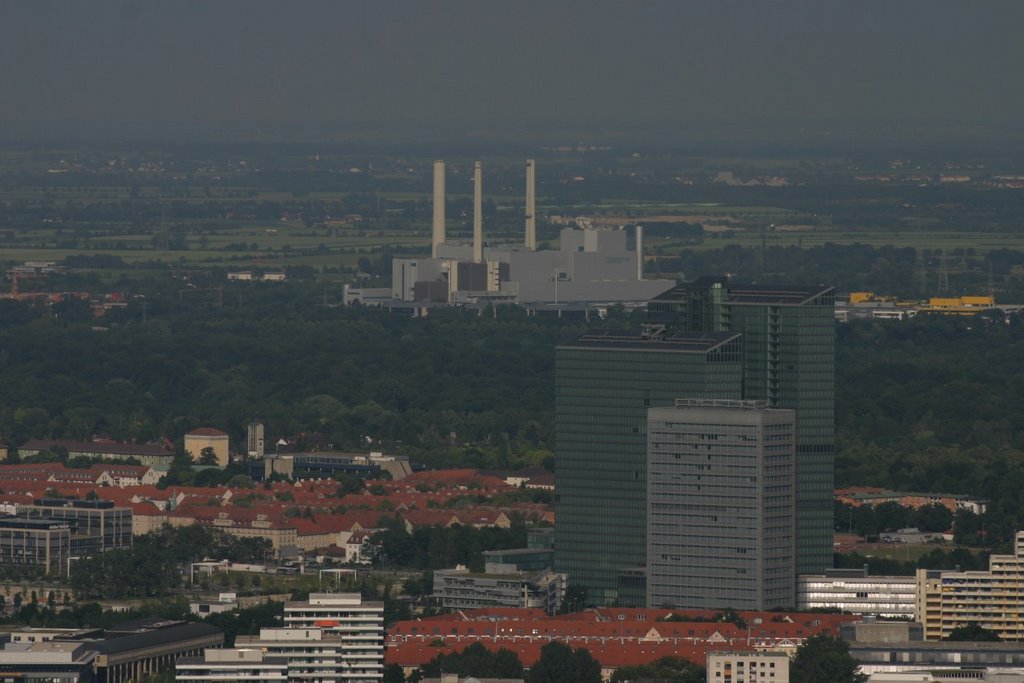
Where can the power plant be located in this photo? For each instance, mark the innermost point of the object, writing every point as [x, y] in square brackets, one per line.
[590, 265]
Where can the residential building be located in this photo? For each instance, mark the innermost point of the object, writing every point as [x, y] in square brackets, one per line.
[234, 664]
[460, 588]
[993, 599]
[748, 667]
[200, 439]
[359, 626]
[614, 636]
[871, 496]
[315, 654]
[605, 382]
[856, 592]
[150, 455]
[788, 352]
[720, 505]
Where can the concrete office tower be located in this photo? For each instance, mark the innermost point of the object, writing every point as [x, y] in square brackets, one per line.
[732, 543]
[438, 234]
[639, 252]
[531, 205]
[604, 385]
[478, 213]
[789, 357]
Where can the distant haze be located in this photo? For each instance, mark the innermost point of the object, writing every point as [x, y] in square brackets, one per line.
[388, 64]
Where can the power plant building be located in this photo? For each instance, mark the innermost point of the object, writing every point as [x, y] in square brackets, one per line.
[590, 266]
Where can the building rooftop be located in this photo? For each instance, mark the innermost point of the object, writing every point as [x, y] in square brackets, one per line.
[206, 431]
[780, 295]
[680, 342]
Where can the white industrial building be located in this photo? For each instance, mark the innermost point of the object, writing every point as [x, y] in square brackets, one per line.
[590, 266]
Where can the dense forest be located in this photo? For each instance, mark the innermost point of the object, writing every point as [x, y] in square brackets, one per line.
[925, 404]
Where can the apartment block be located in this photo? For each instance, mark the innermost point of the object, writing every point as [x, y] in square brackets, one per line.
[993, 599]
[358, 626]
[748, 667]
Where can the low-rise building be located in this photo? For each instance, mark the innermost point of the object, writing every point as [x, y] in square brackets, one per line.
[150, 455]
[200, 439]
[459, 588]
[855, 591]
[42, 544]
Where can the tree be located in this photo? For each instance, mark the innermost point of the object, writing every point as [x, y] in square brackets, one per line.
[393, 674]
[973, 633]
[475, 660]
[208, 457]
[559, 663]
[824, 658]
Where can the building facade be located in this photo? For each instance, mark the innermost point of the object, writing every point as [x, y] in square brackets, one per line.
[461, 589]
[96, 525]
[788, 348]
[604, 385]
[38, 543]
[854, 591]
[720, 505]
[748, 667]
[200, 439]
[993, 599]
[358, 625]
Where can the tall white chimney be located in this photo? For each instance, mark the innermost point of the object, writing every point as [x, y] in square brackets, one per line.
[438, 236]
[531, 206]
[639, 252]
[478, 213]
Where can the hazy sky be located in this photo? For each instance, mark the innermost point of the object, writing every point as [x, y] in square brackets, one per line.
[483, 63]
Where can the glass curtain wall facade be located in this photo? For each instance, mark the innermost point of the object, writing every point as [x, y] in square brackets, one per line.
[604, 386]
[788, 340]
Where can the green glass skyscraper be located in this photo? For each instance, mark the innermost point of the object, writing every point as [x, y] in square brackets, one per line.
[788, 340]
[604, 385]
[706, 339]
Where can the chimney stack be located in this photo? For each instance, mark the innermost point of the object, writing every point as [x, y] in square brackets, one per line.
[531, 206]
[639, 252]
[478, 213]
[438, 236]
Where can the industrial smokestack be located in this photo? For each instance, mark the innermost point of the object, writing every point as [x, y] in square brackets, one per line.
[438, 236]
[531, 206]
[478, 213]
[639, 252]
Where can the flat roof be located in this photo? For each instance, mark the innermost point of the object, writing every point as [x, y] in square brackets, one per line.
[678, 342]
[781, 295]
